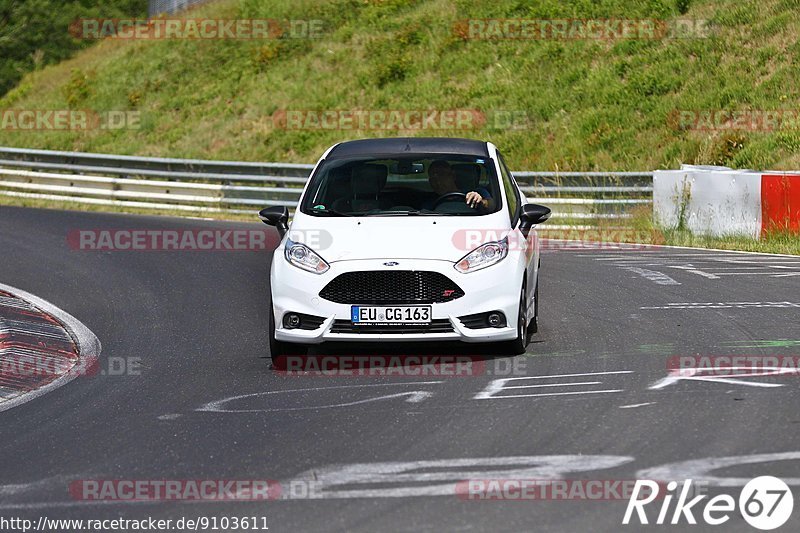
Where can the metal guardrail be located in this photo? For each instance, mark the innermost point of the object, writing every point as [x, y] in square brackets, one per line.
[168, 7]
[241, 187]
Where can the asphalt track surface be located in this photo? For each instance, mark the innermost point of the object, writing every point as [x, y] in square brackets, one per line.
[197, 320]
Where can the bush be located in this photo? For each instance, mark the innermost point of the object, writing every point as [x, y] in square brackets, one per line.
[78, 89]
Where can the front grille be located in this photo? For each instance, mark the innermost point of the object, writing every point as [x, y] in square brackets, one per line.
[390, 287]
[439, 325]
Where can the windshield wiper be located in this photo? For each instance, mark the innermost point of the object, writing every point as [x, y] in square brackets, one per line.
[412, 212]
[393, 213]
[328, 212]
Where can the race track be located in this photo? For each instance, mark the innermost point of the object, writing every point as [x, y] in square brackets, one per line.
[193, 324]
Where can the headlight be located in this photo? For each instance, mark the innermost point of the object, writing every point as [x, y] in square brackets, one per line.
[483, 256]
[304, 257]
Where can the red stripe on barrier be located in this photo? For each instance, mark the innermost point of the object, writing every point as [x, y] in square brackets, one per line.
[780, 203]
[35, 349]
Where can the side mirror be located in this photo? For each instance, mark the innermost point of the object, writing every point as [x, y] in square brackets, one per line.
[277, 216]
[531, 215]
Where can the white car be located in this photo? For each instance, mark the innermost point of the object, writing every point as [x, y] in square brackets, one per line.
[406, 239]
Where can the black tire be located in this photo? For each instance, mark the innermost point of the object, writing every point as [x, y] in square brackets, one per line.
[279, 350]
[533, 327]
[518, 345]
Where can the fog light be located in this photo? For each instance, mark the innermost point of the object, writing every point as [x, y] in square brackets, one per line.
[291, 321]
[494, 319]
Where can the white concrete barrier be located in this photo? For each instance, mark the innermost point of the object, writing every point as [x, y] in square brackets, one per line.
[708, 200]
[721, 201]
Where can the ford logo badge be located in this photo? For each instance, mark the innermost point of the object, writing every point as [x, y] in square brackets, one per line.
[391, 264]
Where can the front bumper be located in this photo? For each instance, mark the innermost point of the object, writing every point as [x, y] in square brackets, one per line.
[495, 288]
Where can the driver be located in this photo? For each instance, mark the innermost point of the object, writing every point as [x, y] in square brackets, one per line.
[442, 180]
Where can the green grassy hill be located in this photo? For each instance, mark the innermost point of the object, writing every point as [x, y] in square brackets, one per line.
[591, 104]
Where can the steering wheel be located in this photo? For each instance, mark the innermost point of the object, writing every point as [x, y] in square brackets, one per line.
[449, 197]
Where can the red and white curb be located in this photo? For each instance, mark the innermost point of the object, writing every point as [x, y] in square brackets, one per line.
[42, 347]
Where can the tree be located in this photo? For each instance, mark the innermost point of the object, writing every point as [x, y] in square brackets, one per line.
[34, 33]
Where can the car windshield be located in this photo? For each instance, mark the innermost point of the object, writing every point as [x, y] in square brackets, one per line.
[402, 186]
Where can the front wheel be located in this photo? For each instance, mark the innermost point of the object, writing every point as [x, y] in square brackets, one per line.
[518, 345]
[279, 350]
[533, 327]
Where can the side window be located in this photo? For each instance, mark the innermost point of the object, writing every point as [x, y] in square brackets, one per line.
[512, 193]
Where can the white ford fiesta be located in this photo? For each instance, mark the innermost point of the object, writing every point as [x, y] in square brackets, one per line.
[406, 239]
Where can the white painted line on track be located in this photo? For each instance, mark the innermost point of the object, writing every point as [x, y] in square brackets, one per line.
[696, 374]
[724, 305]
[704, 469]
[441, 477]
[498, 385]
[217, 406]
[707, 250]
[693, 270]
[575, 375]
[554, 385]
[88, 345]
[757, 260]
[653, 275]
[711, 266]
[559, 393]
[634, 405]
[772, 274]
[739, 267]
[409, 479]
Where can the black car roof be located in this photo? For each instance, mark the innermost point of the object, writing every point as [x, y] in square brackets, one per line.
[409, 146]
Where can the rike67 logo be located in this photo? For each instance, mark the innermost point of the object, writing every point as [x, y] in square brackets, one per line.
[765, 503]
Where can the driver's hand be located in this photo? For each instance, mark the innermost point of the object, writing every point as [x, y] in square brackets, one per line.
[474, 199]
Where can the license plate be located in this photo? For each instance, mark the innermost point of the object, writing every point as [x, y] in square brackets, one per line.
[361, 314]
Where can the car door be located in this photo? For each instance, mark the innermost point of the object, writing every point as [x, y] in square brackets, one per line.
[514, 201]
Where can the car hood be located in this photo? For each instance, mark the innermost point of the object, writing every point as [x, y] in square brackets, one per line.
[446, 238]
